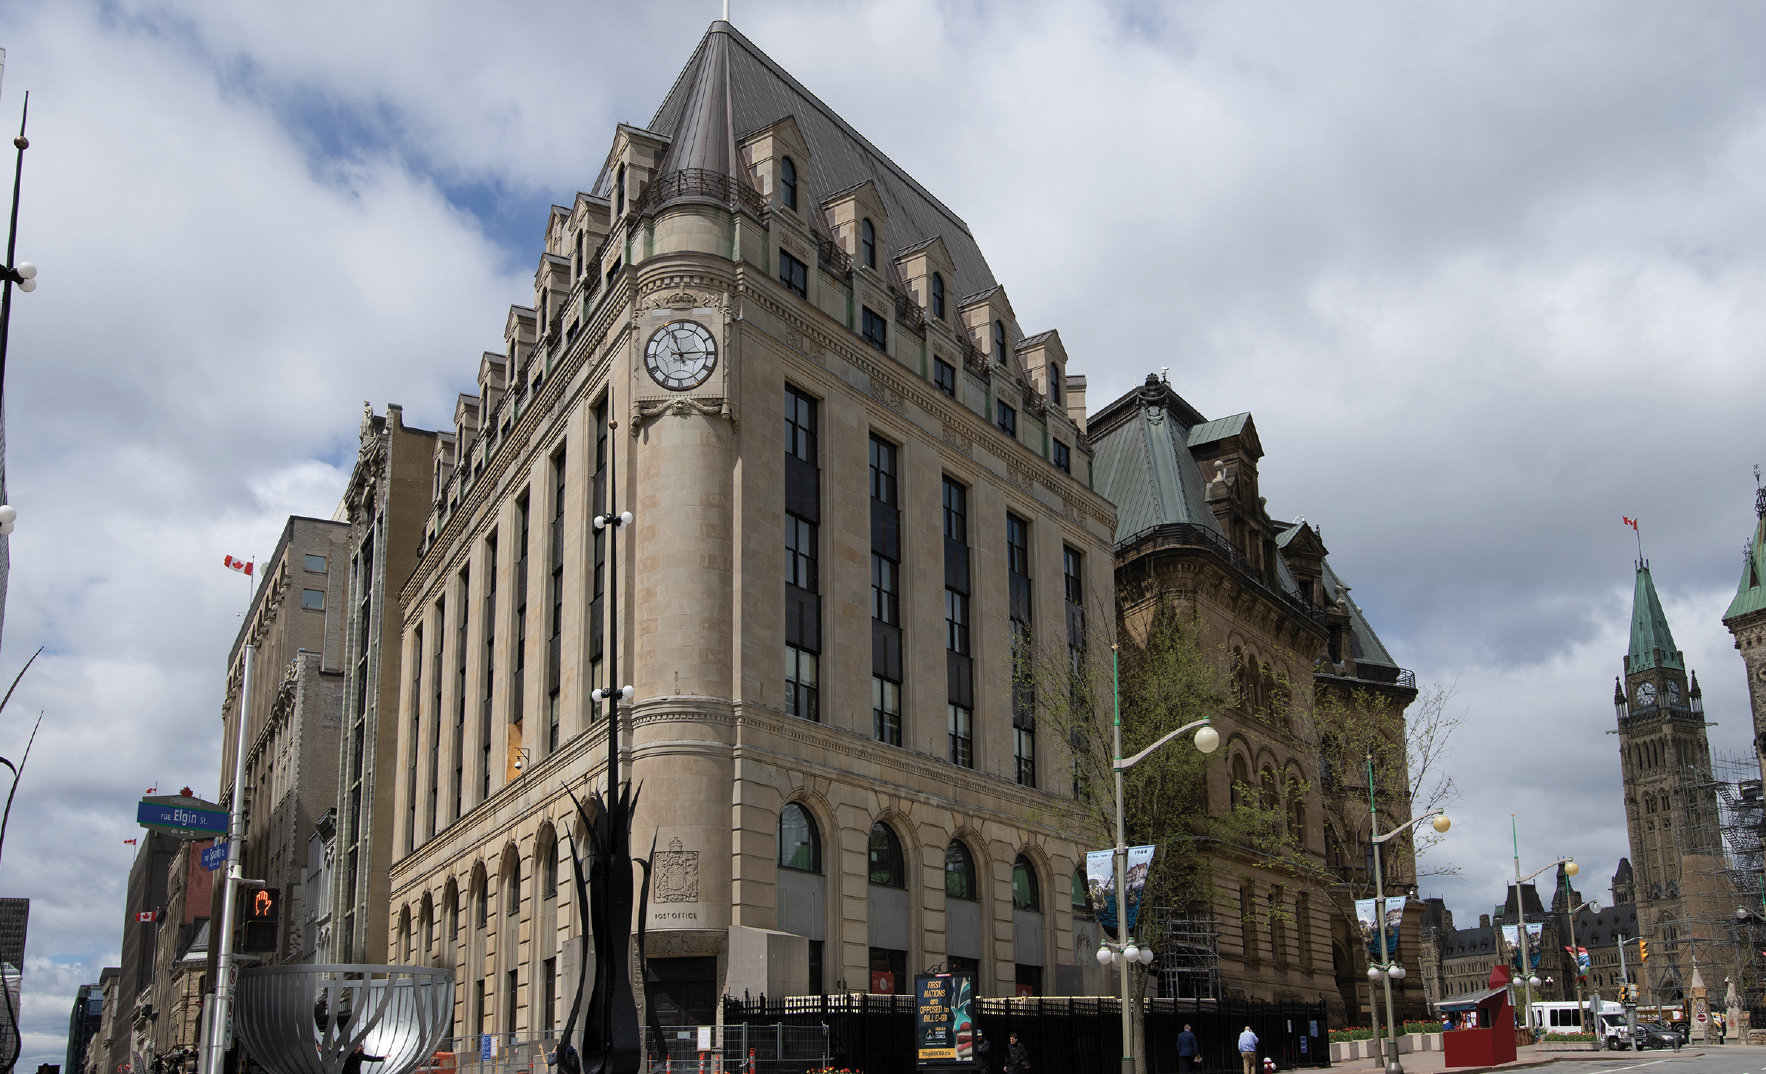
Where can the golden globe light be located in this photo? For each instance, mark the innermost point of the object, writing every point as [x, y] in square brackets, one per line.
[1570, 868]
[1442, 823]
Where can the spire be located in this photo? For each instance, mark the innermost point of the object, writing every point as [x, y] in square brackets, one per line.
[1652, 643]
[1750, 595]
[705, 136]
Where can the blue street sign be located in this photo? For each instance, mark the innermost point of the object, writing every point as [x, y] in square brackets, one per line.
[181, 818]
[484, 1048]
[215, 857]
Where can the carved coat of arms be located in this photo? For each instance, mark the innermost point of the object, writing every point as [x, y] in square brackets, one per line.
[676, 873]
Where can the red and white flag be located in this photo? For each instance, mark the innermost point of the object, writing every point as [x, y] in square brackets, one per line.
[152, 790]
[147, 915]
[240, 565]
[1632, 522]
[132, 842]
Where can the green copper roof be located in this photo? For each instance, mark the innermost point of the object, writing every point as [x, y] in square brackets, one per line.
[1652, 643]
[1750, 596]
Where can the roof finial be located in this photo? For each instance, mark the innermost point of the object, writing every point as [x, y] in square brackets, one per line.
[726, 10]
[1632, 522]
[1759, 493]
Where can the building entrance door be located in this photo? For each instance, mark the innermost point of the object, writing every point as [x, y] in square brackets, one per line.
[682, 991]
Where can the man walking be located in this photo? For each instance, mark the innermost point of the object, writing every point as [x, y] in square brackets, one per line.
[1248, 1050]
[1187, 1051]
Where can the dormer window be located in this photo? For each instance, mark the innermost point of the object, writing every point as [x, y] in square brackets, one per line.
[619, 194]
[1055, 394]
[868, 242]
[999, 342]
[938, 296]
[787, 183]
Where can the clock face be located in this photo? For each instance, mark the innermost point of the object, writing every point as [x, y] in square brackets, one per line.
[681, 355]
[1673, 693]
[1646, 694]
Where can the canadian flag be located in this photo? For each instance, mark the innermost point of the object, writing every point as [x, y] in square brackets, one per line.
[132, 842]
[240, 565]
[147, 915]
[1632, 522]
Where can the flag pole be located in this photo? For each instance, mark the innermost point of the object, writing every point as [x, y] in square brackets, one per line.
[214, 1057]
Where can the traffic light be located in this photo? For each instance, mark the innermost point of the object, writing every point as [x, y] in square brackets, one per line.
[259, 914]
[1643, 950]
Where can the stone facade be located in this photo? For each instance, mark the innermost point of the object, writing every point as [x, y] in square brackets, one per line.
[180, 974]
[777, 428]
[1746, 620]
[385, 504]
[295, 712]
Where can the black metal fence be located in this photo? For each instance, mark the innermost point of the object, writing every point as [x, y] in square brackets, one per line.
[875, 1033]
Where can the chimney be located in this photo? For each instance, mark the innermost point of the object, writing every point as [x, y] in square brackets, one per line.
[1076, 400]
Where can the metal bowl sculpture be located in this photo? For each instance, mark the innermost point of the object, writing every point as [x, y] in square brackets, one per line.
[309, 1019]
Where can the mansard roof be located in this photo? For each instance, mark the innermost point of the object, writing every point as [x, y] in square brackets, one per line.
[1141, 462]
[730, 85]
[1652, 643]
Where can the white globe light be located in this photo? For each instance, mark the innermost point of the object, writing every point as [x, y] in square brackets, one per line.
[1207, 739]
[1131, 952]
[1146, 956]
[1374, 973]
[1104, 956]
[28, 286]
[1533, 981]
[1398, 973]
[1442, 823]
[596, 694]
[1593, 906]
[8, 512]
[600, 522]
[625, 518]
[6, 528]
[625, 693]
[27, 271]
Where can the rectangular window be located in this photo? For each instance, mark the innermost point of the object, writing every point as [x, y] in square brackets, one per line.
[800, 554]
[511, 995]
[518, 674]
[959, 660]
[1057, 395]
[489, 630]
[313, 598]
[411, 789]
[886, 710]
[876, 329]
[1072, 575]
[944, 375]
[1005, 417]
[461, 658]
[794, 274]
[886, 646]
[555, 621]
[316, 563]
[435, 717]
[815, 968]
[598, 604]
[549, 998]
[1063, 457]
[1023, 649]
[802, 692]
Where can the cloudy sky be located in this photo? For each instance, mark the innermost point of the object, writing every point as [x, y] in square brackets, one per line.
[1487, 275]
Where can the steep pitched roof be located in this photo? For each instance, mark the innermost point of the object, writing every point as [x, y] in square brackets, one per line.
[1750, 595]
[1652, 643]
[730, 86]
[1144, 467]
[1364, 645]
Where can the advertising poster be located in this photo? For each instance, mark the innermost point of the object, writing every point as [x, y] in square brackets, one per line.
[1365, 915]
[944, 1027]
[1100, 884]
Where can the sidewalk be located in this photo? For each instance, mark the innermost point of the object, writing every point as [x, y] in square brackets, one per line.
[1526, 1057]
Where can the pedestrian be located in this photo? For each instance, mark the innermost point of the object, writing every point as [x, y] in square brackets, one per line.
[1187, 1051]
[353, 1065]
[1017, 1057]
[1248, 1050]
[983, 1053]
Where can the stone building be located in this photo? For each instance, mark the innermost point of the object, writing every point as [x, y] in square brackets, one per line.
[180, 974]
[103, 1050]
[796, 369]
[1192, 526]
[294, 713]
[128, 1022]
[1683, 891]
[385, 505]
[1746, 620]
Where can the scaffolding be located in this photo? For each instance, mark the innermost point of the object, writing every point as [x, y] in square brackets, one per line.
[1189, 963]
[1719, 839]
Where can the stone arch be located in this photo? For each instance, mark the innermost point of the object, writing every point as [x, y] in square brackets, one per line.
[889, 898]
[426, 925]
[450, 938]
[404, 952]
[1031, 918]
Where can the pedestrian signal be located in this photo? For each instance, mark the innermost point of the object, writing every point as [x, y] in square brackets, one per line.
[259, 914]
[1643, 950]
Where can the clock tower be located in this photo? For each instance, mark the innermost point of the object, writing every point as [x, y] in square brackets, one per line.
[1670, 810]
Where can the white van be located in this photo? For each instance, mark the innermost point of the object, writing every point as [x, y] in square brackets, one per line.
[1560, 1017]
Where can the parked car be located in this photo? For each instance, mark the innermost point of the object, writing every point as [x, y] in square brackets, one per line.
[1656, 1035]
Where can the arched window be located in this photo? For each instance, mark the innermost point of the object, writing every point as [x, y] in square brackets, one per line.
[999, 342]
[549, 866]
[959, 872]
[619, 194]
[1296, 810]
[1241, 780]
[1025, 895]
[800, 845]
[512, 891]
[938, 296]
[787, 183]
[481, 894]
[1267, 788]
[1081, 899]
[887, 868]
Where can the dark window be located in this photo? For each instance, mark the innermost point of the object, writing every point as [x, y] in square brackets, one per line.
[316, 563]
[1057, 394]
[800, 845]
[619, 194]
[598, 587]
[885, 710]
[489, 631]
[460, 661]
[1081, 901]
[868, 243]
[1017, 546]
[313, 599]
[802, 581]
[959, 872]
[1025, 895]
[1005, 417]
[1063, 457]
[1023, 674]
[887, 867]
[787, 183]
[518, 674]
[802, 689]
[800, 554]
[938, 296]
[1072, 575]
[549, 997]
[886, 674]
[959, 663]
[411, 788]
[1000, 349]
[945, 376]
[794, 274]
[435, 716]
[555, 633]
[876, 329]
[800, 426]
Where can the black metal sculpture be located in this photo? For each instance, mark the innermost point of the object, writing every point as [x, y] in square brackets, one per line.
[611, 1039]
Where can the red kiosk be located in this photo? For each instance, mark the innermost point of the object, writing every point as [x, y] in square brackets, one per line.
[1493, 1041]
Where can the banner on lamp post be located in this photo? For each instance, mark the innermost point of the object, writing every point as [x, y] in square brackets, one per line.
[1100, 883]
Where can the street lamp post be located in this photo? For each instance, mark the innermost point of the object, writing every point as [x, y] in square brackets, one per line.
[1124, 950]
[1529, 981]
[1387, 970]
[1575, 953]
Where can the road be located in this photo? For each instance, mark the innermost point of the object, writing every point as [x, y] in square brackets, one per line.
[1727, 1059]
